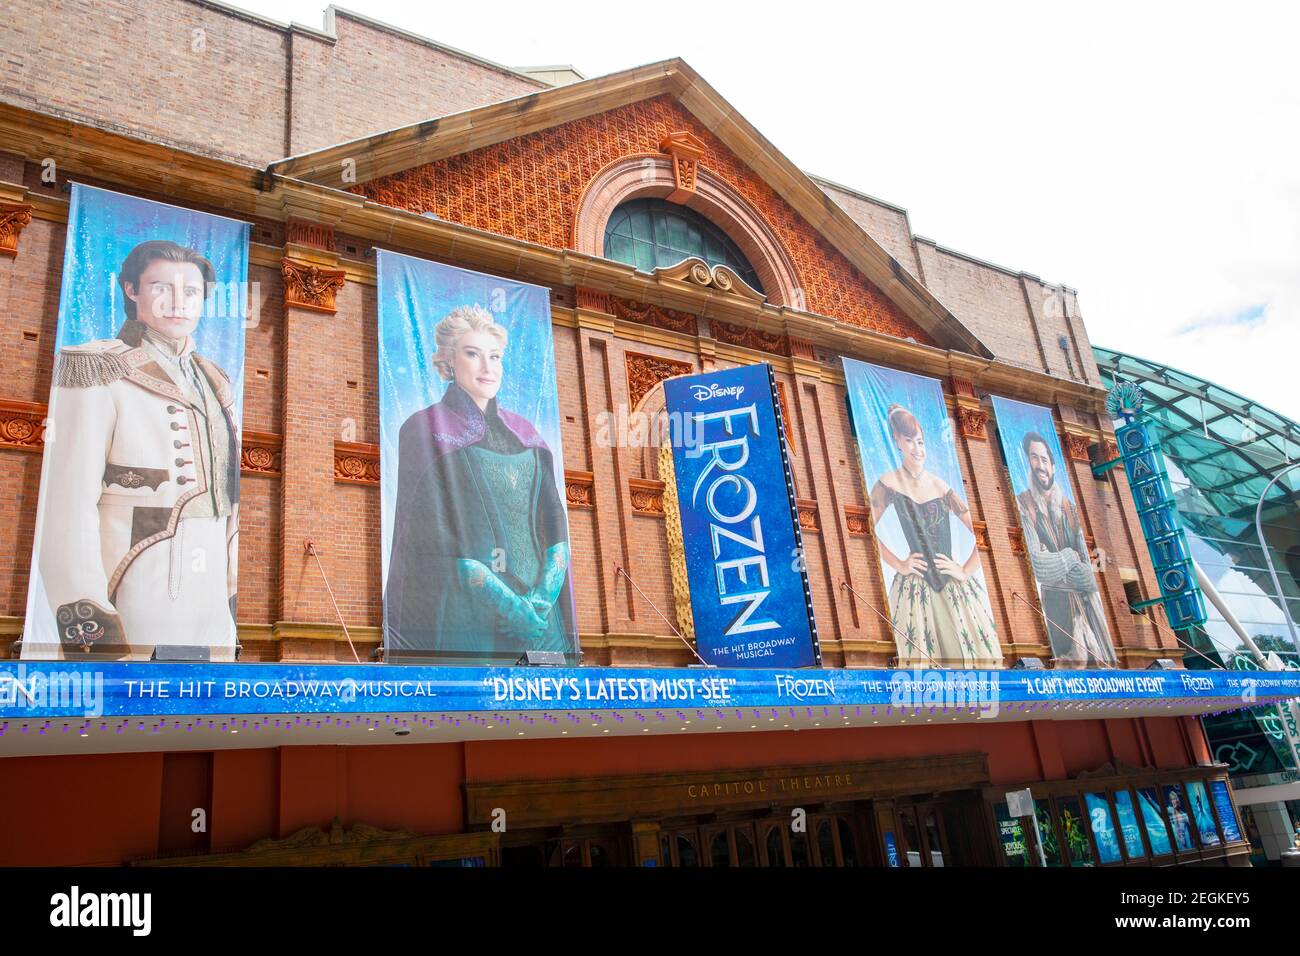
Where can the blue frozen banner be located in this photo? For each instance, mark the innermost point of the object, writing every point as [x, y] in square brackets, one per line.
[137, 523]
[49, 689]
[476, 560]
[749, 598]
[1055, 542]
[925, 536]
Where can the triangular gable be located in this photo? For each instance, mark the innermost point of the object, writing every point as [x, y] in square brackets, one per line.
[519, 168]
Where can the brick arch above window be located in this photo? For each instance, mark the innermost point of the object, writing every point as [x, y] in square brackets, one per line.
[650, 175]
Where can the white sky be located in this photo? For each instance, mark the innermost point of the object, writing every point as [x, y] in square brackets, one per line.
[1145, 154]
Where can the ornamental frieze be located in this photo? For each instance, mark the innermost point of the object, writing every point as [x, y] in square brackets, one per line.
[858, 521]
[750, 338]
[647, 496]
[22, 425]
[809, 517]
[261, 454]
[644, 372]
[356, 463]
[631, 311]
[579, 490]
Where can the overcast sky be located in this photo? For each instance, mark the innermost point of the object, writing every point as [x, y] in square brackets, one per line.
[1145, 154]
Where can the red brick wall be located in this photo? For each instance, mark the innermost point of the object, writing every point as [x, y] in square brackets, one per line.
[529, 188]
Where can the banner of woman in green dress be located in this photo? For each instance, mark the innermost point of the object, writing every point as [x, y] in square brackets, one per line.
[475, 531]
[938, 602]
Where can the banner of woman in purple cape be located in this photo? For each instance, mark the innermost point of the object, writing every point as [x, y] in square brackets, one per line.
[1054, 536]
[923, 529]
[475, 531]
[137, 525]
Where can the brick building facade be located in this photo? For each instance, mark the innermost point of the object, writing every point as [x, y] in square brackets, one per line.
[448, 157]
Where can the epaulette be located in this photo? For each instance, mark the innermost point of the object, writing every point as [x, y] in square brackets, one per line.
[89, 365]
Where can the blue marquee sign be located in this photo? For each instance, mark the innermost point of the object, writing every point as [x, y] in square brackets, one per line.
[46, 690]
[1158, 514]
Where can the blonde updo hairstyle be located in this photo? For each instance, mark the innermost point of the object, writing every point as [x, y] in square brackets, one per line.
[462, 319]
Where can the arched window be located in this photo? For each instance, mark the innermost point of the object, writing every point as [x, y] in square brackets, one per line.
[652, 233]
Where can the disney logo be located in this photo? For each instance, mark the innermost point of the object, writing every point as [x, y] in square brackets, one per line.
[714, 390]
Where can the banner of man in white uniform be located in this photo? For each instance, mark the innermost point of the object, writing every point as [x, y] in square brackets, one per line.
[137, 524]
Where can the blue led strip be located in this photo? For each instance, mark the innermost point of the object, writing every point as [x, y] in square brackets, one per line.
[69, 689]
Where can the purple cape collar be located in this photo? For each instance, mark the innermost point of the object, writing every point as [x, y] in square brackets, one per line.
[456, 422]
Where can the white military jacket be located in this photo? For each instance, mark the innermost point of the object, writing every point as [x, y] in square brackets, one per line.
[121, 473]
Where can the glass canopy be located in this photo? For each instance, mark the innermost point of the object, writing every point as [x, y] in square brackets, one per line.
[1222, 451]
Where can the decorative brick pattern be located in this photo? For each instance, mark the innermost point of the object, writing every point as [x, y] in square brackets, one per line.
[579, 490]
[644, 372]
[356, 462]
[858, 521]
[593, 299]
[530, 187]
[647, 496]
[261, 454]
[22, 425]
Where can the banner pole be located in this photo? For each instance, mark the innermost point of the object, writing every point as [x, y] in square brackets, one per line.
[845, 586]
[618, 569]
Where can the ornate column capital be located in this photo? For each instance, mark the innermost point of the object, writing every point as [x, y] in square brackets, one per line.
[1076, 446]
[14, 218]
[972, 420]
[308, 286]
